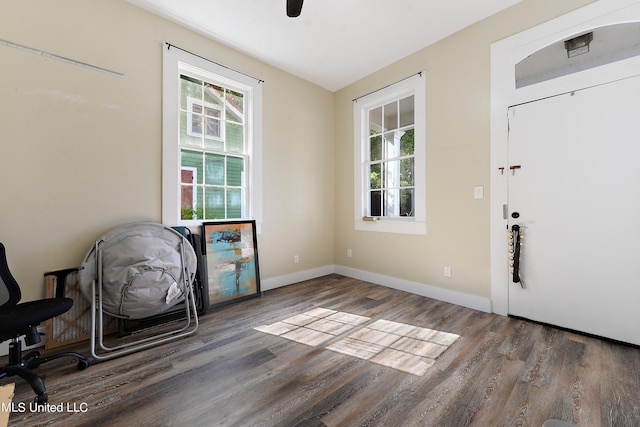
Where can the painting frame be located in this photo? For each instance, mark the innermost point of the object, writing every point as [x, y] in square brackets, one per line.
[231, 253]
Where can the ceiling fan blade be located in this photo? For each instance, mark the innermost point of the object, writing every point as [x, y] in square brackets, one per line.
[294, 7]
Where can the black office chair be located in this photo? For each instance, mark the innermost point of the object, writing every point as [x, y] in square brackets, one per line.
[17, 320]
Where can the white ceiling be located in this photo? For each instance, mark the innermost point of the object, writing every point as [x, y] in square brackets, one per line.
[333, 42]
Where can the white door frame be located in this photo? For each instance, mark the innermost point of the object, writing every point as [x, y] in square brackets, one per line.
[505, 54]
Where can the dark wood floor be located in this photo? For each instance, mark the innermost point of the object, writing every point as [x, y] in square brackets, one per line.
[500, 372]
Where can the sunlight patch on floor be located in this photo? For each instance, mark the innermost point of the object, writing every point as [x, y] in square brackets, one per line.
[401, 346]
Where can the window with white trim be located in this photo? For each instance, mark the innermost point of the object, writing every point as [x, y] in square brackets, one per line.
[390, 158]
[211, 141]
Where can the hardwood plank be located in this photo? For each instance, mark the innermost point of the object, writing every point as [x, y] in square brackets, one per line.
[499, 371]
[620, 404]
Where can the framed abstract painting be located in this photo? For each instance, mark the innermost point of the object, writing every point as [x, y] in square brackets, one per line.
[232, 261]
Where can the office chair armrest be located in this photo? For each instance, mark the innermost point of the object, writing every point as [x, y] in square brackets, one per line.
[61, 279]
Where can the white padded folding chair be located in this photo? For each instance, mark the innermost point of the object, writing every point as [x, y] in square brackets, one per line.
[137, 271]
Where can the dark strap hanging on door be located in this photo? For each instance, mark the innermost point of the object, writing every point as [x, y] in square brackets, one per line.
[516, 234]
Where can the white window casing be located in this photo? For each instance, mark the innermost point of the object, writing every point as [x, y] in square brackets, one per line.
[415, 224]
[176, 62]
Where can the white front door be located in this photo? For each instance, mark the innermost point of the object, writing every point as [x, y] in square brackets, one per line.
[574, 189]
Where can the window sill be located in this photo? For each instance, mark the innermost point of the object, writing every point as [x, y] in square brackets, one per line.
[196, 224]
[391, 226]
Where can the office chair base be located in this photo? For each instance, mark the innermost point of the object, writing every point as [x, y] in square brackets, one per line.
[41, 399]
[22, 365]
[33, 359]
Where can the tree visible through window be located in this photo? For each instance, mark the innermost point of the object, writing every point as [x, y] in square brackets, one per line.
[391, 159]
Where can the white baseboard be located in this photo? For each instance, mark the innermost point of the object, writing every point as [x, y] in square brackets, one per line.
[441, 294]
[453, 297]
[300, 276]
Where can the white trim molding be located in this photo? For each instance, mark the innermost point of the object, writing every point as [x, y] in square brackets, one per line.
[300, 276]
[453, 297]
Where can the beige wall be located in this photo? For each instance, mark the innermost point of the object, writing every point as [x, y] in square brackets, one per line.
[81, 150]
[458, 147]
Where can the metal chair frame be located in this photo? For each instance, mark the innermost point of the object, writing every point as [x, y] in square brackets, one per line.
[101, 351]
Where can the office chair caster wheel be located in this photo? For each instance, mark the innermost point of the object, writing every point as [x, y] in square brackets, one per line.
[83, 364]
[41, 399]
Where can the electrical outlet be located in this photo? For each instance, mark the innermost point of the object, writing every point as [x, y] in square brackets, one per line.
[296, 259]
[447, 271]
[349, 253]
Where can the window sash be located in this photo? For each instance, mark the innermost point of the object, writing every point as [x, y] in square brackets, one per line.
[214, 195]
[219, 186]
[390, 154]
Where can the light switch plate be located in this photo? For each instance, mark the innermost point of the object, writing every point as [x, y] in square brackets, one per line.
[478, 192]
